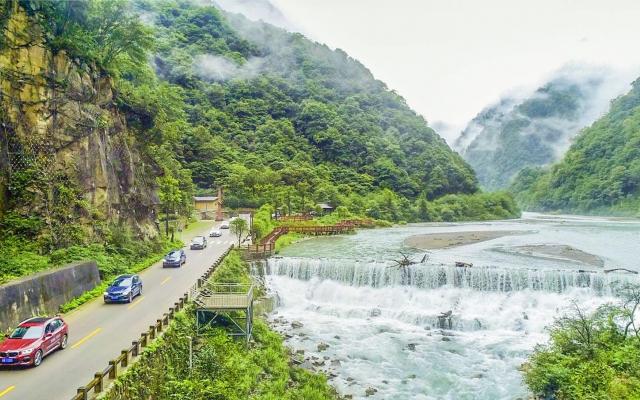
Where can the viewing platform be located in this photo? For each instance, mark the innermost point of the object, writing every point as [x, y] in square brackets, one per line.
[226, 304]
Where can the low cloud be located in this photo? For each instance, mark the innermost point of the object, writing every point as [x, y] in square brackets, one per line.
[217, 68]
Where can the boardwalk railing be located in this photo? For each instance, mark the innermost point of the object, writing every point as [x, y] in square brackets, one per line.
[100, 380]
[267, 245]
[295, 218]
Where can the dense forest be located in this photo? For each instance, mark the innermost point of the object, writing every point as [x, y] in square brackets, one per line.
[272, 116]
[537, 128]
[600, 173]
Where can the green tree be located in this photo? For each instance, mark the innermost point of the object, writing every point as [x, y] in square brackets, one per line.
[170, 197]
[239, 227]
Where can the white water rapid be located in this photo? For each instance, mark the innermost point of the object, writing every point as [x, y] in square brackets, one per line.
[382, 325]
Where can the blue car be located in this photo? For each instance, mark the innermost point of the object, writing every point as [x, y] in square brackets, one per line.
[123, 289]
[174, 259]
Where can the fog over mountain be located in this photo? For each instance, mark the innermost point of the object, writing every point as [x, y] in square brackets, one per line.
[258, 10]
[536, 128]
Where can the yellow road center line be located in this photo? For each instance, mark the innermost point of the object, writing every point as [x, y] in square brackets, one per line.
[84, 339]
[7, 390]
[167, 279]
[135, 303]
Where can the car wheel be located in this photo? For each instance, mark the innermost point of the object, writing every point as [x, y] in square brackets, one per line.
[63, 343]
[37, 359]
[130, 299]
[140, 291]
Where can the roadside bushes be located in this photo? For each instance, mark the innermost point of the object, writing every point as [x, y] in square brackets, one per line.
[223, 369]
[121, 253]
[262, 222]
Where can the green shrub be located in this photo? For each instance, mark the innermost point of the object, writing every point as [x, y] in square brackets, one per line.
[590, 356]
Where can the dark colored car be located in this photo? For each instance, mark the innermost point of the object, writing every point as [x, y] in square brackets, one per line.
[199, 243]
[123, 289]
[32, 340]
[174, 259]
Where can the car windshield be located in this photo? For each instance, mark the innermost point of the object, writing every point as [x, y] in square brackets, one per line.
[122, 282]
[198, 239]
[26, 332]
[173, 254]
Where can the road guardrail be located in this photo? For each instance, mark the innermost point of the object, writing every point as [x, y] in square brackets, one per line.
[100, 380]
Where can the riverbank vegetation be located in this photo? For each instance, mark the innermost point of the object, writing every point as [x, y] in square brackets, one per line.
[590, 356]
[223, 368]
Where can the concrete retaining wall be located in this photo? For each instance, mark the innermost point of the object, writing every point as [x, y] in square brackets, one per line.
[45, 292]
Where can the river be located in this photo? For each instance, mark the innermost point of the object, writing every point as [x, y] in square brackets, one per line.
[381, 323]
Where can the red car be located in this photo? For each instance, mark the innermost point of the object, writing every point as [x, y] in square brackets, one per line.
[32, 340]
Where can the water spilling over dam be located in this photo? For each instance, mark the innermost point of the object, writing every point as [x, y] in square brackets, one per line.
[383, 325]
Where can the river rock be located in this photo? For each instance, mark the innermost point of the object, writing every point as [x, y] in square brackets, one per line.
[322, 346]
[296, 325]
[446, 339]
[376, 312]
[370, 391]
[411, 346]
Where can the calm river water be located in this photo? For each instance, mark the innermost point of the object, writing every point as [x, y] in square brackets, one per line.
[381, 324]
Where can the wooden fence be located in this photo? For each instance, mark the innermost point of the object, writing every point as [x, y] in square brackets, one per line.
[267, 245]
[295, 218]
[98, 384]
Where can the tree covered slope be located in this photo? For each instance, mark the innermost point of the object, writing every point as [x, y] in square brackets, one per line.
[600, 173]
[268, 107]
[537, 129]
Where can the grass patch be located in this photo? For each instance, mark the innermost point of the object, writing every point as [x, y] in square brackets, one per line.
[287, 240]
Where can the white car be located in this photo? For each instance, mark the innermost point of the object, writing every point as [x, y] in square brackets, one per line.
[224, 225]
[215, 233]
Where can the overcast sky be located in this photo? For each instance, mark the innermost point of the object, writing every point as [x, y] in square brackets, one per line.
[451, 58]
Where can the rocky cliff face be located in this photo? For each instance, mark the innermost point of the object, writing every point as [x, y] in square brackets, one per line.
[58, 118]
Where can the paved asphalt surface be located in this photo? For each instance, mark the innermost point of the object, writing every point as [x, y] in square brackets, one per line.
[98, 331]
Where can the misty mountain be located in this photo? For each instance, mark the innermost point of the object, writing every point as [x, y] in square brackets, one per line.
[535, 129]
[599, 174]
[275, 114]
[258, 10]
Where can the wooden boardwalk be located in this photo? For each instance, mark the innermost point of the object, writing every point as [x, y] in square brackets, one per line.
[267, 245]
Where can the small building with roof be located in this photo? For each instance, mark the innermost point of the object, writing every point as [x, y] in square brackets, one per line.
[206, 203]
[325, 208]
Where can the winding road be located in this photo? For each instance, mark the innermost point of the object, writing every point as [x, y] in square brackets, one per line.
[98, 331]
